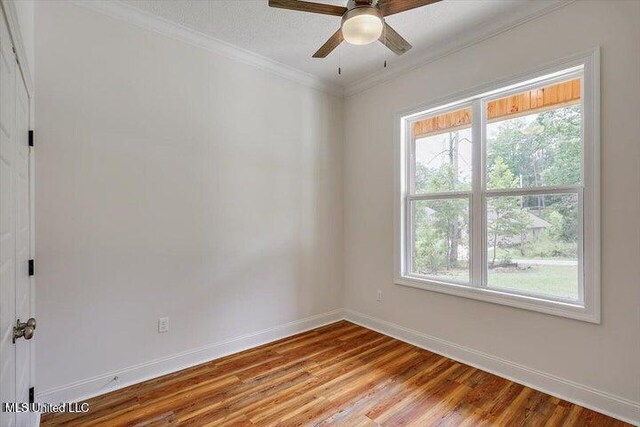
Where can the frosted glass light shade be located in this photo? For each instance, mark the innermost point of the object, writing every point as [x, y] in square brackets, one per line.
[362, 29]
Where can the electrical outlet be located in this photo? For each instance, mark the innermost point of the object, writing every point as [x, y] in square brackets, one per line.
[163, 324]
[379, 296]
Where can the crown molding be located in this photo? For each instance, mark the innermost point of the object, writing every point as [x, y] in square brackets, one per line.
[465, 40]
[148, 21]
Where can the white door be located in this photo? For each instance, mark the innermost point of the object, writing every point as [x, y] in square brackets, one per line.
[15, 232]
[23, 246]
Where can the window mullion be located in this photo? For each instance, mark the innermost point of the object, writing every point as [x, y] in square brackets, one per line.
[532, 191]
[566, 224]
[412, 161]
[477, 223]
[440, 196]
[409, 236]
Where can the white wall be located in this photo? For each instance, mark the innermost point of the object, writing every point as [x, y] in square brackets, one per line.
[603, 357]
[173, 182]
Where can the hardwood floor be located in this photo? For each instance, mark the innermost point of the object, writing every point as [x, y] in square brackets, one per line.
[338, 375]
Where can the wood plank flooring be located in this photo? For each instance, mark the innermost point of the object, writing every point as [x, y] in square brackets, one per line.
[338, 375]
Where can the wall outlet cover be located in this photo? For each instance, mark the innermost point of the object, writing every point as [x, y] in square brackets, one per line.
[163, 324]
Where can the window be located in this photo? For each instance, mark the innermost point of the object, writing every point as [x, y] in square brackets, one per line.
[499, 194]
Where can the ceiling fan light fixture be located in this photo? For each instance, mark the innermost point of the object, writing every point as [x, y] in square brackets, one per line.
[362, 25]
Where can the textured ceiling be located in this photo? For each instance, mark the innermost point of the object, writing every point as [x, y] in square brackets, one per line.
[291, 37]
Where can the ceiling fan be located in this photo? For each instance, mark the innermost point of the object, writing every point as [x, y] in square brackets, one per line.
[362, 21]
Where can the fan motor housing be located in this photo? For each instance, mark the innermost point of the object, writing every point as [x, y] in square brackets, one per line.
[363, 9]
[357, 3]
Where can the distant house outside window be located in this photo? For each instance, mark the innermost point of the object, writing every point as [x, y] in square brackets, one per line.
[499, 194]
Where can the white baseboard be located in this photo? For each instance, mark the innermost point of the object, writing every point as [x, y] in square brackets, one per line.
[606, 403]
[85, 389]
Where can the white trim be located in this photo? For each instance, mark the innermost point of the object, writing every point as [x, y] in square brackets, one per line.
[8, 11]
[135, 16]
[148, 21]
[589, 57]
[100, 384]
[588, 309]
[533, 191]
[470, 38]
[508, 298]
[571, 391]
[441, 195]
[591, 181]
[477, 216]
[588, 397]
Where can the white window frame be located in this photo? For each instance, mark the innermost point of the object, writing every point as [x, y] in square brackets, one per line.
[587, 66]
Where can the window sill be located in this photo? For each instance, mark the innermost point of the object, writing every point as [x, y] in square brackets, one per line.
[571, 311]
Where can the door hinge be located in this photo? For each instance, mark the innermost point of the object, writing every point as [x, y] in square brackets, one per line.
[32, 395]
[32, 267]
[31, 138]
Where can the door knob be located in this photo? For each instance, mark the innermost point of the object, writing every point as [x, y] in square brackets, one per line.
[27, 333]
[24, 329]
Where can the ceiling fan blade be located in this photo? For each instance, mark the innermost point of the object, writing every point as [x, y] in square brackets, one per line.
[306, 6]
[394, 41]
[389, 7]
[330, 44]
